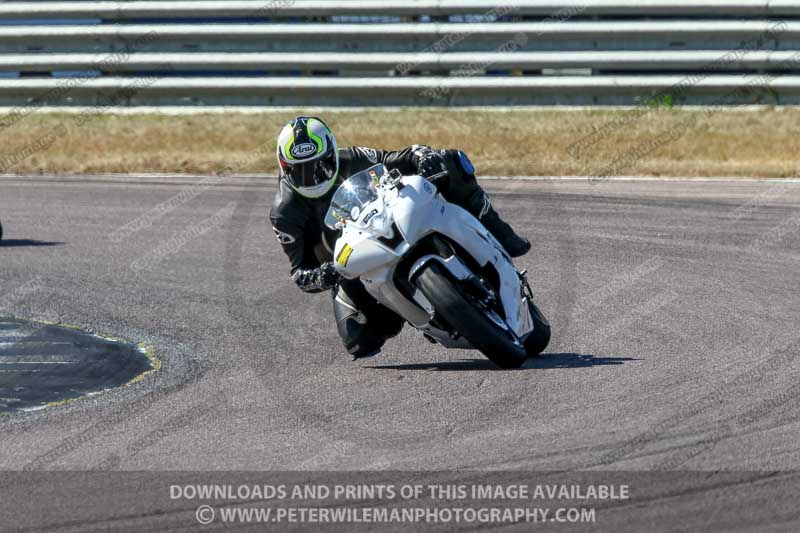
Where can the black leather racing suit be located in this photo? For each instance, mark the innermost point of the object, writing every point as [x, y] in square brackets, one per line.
[298, 223]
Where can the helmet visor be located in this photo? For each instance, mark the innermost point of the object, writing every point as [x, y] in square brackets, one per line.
[312, 173]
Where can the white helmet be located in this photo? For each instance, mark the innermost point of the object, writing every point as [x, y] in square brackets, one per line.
[308, 156]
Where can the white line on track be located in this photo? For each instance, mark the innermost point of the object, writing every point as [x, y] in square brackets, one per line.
[26, 341]
[595, 180]
[640, 178]
[37, 362]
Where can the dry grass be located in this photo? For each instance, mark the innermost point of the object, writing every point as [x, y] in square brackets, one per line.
[527, 142]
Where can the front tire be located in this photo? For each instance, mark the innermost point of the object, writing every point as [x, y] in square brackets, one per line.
[463, 315]
[539, 338]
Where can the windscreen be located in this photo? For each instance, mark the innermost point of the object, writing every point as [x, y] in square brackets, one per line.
[353, 195]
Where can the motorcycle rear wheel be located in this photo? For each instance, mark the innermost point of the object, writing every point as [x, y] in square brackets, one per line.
[468, 319]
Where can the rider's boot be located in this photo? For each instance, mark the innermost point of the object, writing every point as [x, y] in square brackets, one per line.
[363, 331]
[479, 206]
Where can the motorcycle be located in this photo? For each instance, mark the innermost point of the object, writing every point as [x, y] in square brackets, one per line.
[435, 265]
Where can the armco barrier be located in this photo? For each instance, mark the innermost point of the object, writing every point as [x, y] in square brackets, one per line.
[416, 52]
[308, 8]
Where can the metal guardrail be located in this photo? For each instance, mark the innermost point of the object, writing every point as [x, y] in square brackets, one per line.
[316, 8]
[564, 29]
[287, 52]
[401, 37]
[381, 63]
[543, 90]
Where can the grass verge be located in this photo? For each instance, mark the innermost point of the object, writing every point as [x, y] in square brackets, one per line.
[655, 142]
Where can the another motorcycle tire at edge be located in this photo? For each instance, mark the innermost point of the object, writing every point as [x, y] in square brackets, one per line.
[468, 320]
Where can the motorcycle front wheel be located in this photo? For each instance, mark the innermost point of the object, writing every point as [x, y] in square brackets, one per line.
[539, 338]
[468, 319]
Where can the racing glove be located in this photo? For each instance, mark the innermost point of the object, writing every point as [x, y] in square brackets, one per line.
[429, 162]
[318, 279]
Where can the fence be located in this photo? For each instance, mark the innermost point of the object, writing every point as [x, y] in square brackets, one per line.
[413, 52]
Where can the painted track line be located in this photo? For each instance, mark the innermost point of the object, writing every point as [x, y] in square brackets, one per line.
[593, 179]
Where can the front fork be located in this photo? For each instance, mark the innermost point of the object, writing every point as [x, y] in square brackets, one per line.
[525, 287]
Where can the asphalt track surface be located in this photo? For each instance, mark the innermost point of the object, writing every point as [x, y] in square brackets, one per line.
[674, 308]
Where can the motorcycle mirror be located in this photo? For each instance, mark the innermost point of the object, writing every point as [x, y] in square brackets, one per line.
[394, 178]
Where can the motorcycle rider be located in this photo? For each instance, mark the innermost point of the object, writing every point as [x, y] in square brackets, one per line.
[311, 168]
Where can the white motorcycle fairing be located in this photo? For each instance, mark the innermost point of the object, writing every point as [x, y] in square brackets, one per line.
[378, 236]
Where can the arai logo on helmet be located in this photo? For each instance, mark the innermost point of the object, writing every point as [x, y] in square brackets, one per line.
[303, 150]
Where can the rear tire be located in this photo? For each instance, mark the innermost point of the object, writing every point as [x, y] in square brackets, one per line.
[463, 315]
[539, 338]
